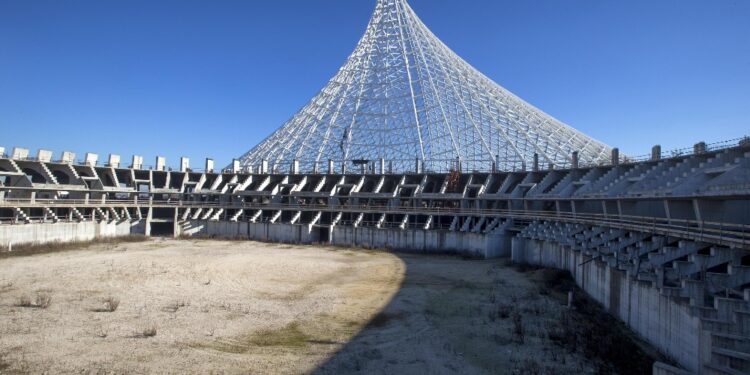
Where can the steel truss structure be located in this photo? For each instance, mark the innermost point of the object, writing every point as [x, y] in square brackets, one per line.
[404, 95]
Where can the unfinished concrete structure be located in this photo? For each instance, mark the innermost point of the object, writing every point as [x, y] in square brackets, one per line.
[663, 243]
[410, 148]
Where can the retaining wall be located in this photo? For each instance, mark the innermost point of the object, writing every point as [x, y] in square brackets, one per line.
[37, 234]
[665, 323]
[426, 241]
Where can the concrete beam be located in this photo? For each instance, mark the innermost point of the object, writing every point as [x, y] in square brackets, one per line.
[656, 152]
[137, 162]
[161, 163]
[91, 158]
[113, 161]
[19, 153]
[184, 164]
[44, 155]
[67, 157]
[615, 156]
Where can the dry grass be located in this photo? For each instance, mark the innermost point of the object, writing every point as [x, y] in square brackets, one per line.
[29, 250]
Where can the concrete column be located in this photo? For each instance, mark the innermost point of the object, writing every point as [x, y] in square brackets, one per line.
[19, 153]
[535, 166]
[666, 211]
[574, 160]
[699, 148]
[295, 166]
[417, 165]
[2, 152]
[615, 156]
[67, 157]
[44, 155]
[330, 166]
[263, 166]
[343, 167]
[497, 163]
[113, 161]
[656, 152]
[91, 159]
[161, 163]
[184, 164]
[390, 166]
[235, 166]
[209, 165]
[697, 212]
[382, 166]
[137, 162]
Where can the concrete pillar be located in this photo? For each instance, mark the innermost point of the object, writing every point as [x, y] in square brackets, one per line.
[90, 159]
[44, 155]
[67, 157]
[184, 164]
[615, 156]
[161, 163]
[363, 168]
[535, 166]
[295, 166]
[496, 167]
[113, 161]
[382, 166]
[209, 165]
[574, 160]
[235, 166]
[263, 166]
[656, 152]
[330, 166]
[699, 148]
[137, 162]
[417, 165]
[2, 152]
[19, 153]
[343, 167]
[390, 166]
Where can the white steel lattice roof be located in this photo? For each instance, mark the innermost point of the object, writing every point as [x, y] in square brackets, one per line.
[403, 94]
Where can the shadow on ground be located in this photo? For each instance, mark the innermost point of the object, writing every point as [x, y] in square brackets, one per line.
[453, 315]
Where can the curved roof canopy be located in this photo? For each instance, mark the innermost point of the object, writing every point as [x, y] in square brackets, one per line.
[403, 94]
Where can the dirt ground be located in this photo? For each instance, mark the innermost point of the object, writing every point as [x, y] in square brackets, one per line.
[207, 306]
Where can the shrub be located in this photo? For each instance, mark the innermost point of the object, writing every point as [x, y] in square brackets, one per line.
[43, 300]
[149, 331]
[24, 301]
[111, 304]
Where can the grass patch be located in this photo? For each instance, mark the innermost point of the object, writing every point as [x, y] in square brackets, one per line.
[29, 250]
[289, 336]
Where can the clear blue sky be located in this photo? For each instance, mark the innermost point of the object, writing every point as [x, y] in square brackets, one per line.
[212, 78]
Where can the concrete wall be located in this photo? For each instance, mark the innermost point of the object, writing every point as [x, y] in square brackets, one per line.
[286, 233]
[660, 320]
[62, 232]
[427, 241]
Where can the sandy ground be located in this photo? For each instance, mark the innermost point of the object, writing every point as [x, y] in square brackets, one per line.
[247, 307]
